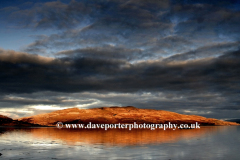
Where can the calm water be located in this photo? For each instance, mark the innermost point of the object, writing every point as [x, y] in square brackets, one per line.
[208, 143]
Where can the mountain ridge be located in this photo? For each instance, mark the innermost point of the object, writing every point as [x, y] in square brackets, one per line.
[6, 122]
[115, 114]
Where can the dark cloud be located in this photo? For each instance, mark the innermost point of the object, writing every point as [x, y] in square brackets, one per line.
[206, 51]
[105, 52]
[84, 74]
[10, 56]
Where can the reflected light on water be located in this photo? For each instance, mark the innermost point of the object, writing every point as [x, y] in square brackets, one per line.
[219, 142]
[111, 137]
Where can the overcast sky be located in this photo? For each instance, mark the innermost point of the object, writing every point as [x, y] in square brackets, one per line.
[175, 55]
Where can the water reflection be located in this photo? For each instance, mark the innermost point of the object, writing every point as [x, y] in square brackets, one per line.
[214, 143]
[114, 137]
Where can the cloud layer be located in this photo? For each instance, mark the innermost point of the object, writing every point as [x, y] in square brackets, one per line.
[187, 52]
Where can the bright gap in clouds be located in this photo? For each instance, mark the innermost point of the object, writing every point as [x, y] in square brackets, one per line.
[48, 107]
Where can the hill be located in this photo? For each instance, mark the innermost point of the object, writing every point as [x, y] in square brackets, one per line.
[6, 121]
[111, 115]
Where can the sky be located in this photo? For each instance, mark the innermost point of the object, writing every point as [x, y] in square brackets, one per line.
[175, 55]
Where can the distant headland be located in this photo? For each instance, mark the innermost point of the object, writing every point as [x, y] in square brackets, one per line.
[111, 115]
